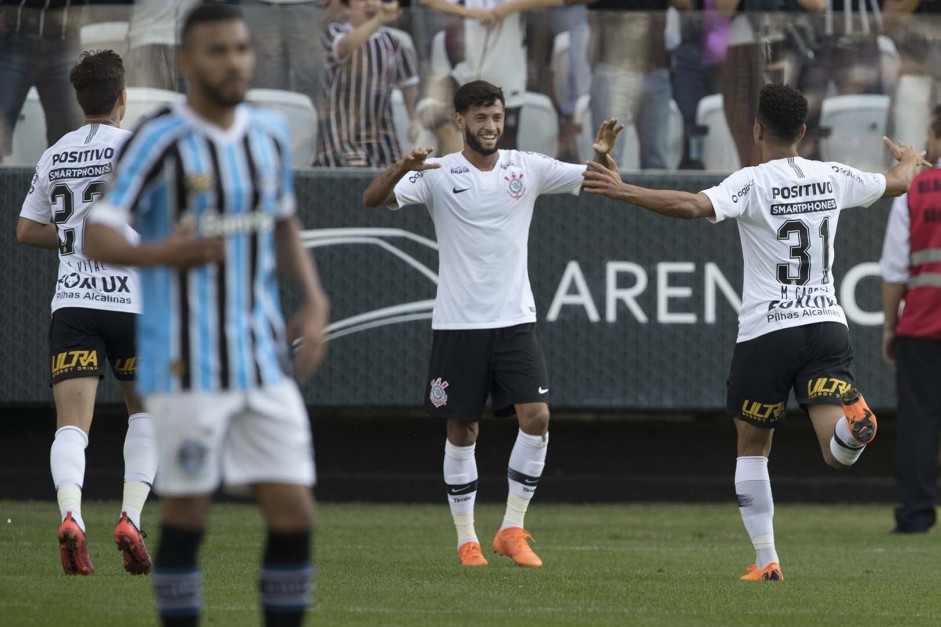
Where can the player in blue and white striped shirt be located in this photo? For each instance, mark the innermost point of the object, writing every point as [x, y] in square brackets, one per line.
[208, 185]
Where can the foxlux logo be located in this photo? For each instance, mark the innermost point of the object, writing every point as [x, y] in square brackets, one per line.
[108, 283]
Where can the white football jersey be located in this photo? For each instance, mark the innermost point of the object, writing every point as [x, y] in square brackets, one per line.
[787, 212]
[70, 177]
[482, 224]
[496, 55]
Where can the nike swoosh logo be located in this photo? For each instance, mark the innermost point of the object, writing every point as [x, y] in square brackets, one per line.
[530, 481]
[458, 191]
[543, 390]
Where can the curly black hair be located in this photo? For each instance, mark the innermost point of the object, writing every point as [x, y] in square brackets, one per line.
[782, 110]
[98, 79]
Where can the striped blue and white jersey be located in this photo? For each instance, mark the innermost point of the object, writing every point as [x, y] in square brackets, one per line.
[217, 326]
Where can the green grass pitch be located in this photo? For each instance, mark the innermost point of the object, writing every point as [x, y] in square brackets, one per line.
[385, 565]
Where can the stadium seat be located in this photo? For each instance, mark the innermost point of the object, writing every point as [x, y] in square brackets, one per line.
[559, 66]
[853, 127]
[676, 130]
[718, 149]
[141, 101]
[301, 116]
[29, 134]
[400, 120]
[538, 125]
[912, 108]
[890, 61]
[440, 66]
[105, 36]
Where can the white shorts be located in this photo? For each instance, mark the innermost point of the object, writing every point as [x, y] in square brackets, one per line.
[237, 437]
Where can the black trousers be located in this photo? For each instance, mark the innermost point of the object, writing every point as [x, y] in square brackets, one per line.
[918, 431]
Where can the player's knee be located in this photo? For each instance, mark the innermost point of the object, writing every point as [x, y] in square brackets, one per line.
[534, 419]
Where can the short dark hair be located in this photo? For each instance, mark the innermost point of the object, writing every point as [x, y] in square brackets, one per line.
[98, 79]
[782, 110]
[936, 121]
[477, 94]
[210, 12]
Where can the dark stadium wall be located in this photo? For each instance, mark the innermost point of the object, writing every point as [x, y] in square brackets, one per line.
[636, 312]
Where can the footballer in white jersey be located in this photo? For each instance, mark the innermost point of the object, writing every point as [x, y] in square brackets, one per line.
[69, 178]
[94, 313]
[484, 342]
[792, 332]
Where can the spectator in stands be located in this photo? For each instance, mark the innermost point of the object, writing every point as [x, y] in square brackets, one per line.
[364, 63]
[847, 59]
[39, 44]
[631, 79]
[494, 50]
[696, 66]
[544, 29]
[287, 44]
[918, 38]
[152, 43]
[912, 340]
[754, 57]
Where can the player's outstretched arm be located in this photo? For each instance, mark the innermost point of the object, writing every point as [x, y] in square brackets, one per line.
[380, 192]
[308, 325]
[605, 180]
[36, 234]
[899, 178]
[180, 250]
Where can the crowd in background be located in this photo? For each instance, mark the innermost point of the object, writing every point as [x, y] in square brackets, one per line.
[363, 63]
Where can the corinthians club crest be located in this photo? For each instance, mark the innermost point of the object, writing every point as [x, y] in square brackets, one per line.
[514, 185]
[438, 396]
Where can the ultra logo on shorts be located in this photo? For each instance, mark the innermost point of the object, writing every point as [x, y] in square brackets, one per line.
[438, 396]
[762, 412]
[826, 386]
[125, 366]
[67, 361]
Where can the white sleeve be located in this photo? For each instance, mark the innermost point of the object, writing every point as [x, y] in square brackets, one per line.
[896, 247]
[732, 197]
[413, 189]
[855, 187]
[36, 206]
[556, 177]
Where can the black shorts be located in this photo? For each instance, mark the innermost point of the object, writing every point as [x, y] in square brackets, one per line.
[814, 359]
[80, 339]
[469, 365]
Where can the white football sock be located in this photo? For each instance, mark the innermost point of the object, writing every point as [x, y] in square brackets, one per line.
[844, 447]
[460, 476]
[140, 465]
[67, 462]
[753, 487]
[527, 460]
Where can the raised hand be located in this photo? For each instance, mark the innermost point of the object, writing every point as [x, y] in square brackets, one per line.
[901, 152]
[388, 11]
[415, 160]
[607, 136]
[603, 179]
[181, 250]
